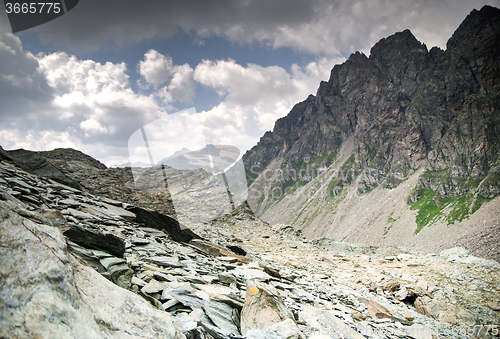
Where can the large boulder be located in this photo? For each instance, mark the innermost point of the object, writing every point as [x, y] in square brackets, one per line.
[47, 293]
[263, 307]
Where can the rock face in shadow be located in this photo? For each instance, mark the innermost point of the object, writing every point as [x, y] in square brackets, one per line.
[163, 222]
[69, 154]
[34, 163]
[4, 155]
[92, 238]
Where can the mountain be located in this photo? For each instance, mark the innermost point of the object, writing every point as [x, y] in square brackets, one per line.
[401, 147]
[132, 164]
[178, 153]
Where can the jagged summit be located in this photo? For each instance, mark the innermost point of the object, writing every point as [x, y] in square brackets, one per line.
[477, 28]
[399, 47]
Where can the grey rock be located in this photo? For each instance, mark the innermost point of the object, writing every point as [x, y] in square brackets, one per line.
[223, 316]
[34, 163]
[284, 329]
[248, 273]
[163, 277]
[55, 217]
[49, 294]
[162, 222]
[263, 307]
[153, 286]
[78, 214]
[165, 261]
[111, 261]
[138, 282]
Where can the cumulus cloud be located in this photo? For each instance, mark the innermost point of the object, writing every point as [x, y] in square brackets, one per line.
[157, 69]
[96, 97]
[254, 97]
[182, 86]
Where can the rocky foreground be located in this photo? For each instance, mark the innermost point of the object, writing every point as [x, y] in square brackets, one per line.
[79, 265]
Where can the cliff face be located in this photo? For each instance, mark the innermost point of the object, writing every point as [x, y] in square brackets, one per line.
[404, 108]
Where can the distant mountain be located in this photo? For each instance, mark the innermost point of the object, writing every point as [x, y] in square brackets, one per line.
[184, 150]
[221, 157]
[133, 164]
[420, 126]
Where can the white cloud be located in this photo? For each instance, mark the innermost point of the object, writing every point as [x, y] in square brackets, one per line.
[96, 97]
[254, 97]
[14, 138]
[157, 69]
[182, 87]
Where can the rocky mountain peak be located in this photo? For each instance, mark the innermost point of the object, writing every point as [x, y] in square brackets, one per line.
[477, 27]
[399, 47]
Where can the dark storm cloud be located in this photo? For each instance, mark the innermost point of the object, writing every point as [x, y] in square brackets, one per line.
[330, 27]
[23, 88]
[122, 22]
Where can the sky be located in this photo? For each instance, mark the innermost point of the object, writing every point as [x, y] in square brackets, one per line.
[93, 77]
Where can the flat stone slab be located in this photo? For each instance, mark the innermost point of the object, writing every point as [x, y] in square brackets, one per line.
[250, 273]
[154, 286]
[110, 261]
[139, 241]
[165, 261]
[78, 214]
[138, 282]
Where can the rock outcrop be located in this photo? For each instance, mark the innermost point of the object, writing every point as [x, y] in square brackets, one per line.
[36, 164]
[406, 106]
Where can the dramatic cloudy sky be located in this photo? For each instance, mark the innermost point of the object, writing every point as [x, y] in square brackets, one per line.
[94, 76]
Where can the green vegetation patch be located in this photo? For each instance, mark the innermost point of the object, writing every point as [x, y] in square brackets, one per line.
[349, 164]
[432, 207]
[492, 180]
[441, 175]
